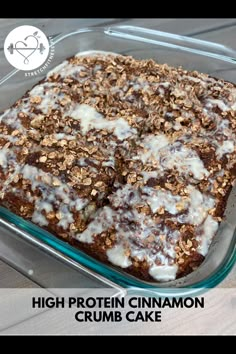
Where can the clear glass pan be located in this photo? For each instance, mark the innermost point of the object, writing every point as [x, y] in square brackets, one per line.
[214, 59]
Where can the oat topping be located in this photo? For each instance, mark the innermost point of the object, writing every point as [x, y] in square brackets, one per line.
[129, 160]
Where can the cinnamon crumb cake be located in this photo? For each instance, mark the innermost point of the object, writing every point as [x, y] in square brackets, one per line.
[129, 160]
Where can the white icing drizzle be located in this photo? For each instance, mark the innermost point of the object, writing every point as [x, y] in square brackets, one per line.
[7, 160]
[61, 136]
[226, 147]
[91, 119]
[163, 272]
[10, 118]
[195, 79]
[149, 174]
[67, 69]
[94, 53]
[49, 97]
[126, 195]
[4, 157]
[186, 161]
[101, 223]
[7, 111]
[168, 155]
[38, 217]
[117, 256]
[140, 84]
[53, 193]
[10, 138]
[206, 232]
[234, 106]
[109, 163]
[198, 207]
[66, 218]
[161, 198]
[219, 103]
[152, 145]
[80, 203]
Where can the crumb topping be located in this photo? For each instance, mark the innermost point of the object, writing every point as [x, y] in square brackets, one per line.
[130, 159]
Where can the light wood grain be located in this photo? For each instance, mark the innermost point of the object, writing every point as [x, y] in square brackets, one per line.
[230, 280]
[194, 27]
[226, 36]
[180, 26]
[10, 278]
[183, 26]
[52, 26]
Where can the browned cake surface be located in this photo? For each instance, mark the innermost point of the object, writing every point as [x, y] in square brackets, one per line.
[131, 161]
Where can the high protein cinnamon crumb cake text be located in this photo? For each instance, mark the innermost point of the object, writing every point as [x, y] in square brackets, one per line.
[129, 160]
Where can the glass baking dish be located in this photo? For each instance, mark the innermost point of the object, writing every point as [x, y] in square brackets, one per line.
[193, 54]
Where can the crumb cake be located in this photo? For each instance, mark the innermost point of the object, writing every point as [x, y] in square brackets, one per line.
[128, 160]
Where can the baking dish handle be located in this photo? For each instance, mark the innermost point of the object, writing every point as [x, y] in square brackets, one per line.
[174, 41]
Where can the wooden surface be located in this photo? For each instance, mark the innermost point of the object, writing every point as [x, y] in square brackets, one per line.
[216, 30]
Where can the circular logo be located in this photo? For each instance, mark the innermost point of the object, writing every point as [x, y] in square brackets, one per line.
[26, 48]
